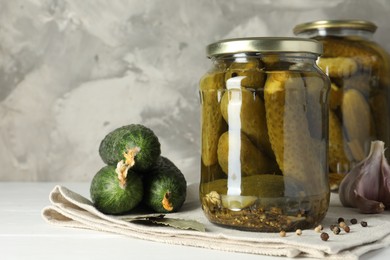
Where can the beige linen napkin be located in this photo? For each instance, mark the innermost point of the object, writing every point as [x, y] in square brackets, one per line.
[70, 209]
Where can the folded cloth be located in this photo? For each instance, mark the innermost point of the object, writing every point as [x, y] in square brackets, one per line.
[70, 209]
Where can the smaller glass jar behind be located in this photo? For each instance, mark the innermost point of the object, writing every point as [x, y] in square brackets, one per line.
[359, 70]
[264, 135]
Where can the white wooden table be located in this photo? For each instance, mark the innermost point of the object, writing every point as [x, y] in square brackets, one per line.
[25, 235]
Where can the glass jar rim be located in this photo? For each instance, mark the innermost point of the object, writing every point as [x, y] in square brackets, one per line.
[263, 45]
[335, 24]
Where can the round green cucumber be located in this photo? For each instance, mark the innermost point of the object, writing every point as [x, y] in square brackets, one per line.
[165, 187]
[110, 196]
[131, 137]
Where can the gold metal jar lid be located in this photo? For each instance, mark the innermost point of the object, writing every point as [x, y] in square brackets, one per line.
[263, 45]
[335, 24]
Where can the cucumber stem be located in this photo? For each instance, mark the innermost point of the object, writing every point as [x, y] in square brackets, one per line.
[124, 165]
[130, 155]
[167, 205]
[121, 170]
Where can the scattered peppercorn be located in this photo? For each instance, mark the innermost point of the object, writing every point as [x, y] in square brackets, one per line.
[282, 233]
[363, 223]
[332, 227]
[340, 220]
[298, 232]
[318, 228]
[353, 221]
[324, 236]
[336, 230]
[342, 224]
[346, 229]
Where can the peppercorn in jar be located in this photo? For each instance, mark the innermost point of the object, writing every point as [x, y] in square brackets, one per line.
[264, 119]
[359, 70]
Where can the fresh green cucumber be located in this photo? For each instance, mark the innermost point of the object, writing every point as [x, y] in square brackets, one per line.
[110, 195]
[165, 187]
[135, 137]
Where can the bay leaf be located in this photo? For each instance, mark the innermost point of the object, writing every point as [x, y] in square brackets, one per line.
[180, 223]
[161, 219]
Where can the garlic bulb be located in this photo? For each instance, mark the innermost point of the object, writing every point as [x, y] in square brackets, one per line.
[367, 185]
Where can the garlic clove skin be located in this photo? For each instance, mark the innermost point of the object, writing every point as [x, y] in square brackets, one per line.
[347, 187]
[385, 191]
[367, 185]
[366, 206]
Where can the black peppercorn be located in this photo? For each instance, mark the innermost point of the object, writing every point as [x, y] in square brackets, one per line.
[353, 221]
[363, 223]
[324, 236]
[340, 220]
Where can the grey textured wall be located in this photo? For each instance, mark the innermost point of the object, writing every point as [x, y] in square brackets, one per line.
[70, 71]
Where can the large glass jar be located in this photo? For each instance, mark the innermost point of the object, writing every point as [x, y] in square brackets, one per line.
[359, 70]
[264, 117]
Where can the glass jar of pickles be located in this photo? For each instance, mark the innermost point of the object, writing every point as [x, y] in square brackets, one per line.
[264, 119]
[359, 70]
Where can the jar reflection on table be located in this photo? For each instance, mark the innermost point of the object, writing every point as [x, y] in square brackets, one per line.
[264, 135]
[359, 70]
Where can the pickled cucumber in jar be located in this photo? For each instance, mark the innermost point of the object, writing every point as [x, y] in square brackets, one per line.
[359, 108]
[264, 129]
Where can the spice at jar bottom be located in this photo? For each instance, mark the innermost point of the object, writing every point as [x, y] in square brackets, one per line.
[262, 214]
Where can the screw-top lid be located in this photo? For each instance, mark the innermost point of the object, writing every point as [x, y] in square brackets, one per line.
[264, 45]
[335, 24]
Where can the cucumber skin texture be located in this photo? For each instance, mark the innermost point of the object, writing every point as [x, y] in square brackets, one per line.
[165, 177]
[116, 142]
[107, 195]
